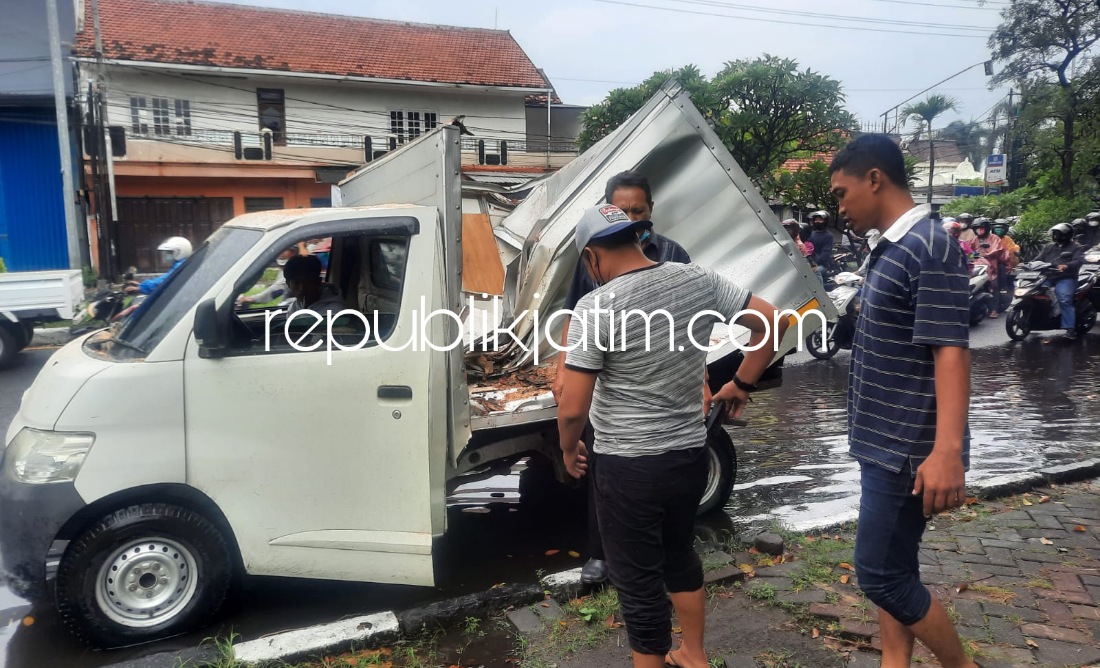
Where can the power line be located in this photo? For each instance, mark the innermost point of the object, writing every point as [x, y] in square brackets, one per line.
[933, 4]
[832, 17]
[784, 22]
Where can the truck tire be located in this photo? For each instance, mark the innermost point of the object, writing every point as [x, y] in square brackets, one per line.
[28, 334]
[721, 471]
[141, 573]
[9, 345]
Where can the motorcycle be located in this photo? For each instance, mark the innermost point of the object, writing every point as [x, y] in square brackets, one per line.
[1034, 304]
[845, 297]
[1092, 266]
[981, 292]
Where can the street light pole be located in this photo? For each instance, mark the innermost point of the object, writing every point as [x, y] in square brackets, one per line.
[61, 111]
[894, 109]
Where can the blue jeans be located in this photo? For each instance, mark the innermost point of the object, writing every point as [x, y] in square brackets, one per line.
[1063, 290]
[891, 523]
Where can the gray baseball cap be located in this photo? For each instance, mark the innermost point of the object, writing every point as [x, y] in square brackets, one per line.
[600, 221]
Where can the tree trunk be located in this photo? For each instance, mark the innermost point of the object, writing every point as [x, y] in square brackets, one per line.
[1067, 143]
[931, 161]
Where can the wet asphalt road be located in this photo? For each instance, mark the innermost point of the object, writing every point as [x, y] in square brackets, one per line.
[1034, 404]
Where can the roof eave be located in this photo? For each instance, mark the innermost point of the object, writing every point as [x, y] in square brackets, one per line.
[216, 69]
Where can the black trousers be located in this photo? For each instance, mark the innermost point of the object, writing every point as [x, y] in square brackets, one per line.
[646, 508]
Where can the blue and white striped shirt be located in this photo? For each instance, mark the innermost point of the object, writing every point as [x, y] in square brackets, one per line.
[916, 298]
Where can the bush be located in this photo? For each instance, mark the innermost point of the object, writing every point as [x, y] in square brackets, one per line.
[90, 276]
[3, 269]
[993, 206]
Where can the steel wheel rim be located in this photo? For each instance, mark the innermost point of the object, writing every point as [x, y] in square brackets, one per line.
[147, 582]
[714, 475]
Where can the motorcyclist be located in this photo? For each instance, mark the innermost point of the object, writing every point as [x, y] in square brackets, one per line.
[1092, 233]
[990, 248]
[966, 220]
[1066, 257]
[791, 225]
[954, 229]
[1080, 231]
[174, 250]
[1012, 253]
[822, 239]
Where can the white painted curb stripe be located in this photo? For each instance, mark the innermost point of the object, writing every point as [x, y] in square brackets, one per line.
[314, 638]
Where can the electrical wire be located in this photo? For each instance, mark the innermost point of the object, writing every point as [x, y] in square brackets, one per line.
[786, 22]
[831, 17]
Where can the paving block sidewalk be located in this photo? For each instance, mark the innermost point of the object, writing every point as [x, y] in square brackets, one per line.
[1020, 576]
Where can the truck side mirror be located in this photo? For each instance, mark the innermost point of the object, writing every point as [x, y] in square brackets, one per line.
[208, 334]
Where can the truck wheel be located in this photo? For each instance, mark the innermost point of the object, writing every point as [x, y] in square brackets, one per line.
[721, 471]
[141, 573]
[9, 346]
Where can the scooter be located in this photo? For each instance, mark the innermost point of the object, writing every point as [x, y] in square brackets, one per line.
[1034, 304]
[981, 292]
[845, 297]
[1092, 266]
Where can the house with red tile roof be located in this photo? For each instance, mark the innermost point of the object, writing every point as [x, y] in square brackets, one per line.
[227, 108]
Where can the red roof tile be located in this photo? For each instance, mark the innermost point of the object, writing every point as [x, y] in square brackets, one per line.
[796, 164]
[237, 36]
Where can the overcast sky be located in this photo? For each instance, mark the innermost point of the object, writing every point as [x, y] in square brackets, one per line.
[589, 47]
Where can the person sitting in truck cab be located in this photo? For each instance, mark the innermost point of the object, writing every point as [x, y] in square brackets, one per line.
[303, 278]
[174, 250]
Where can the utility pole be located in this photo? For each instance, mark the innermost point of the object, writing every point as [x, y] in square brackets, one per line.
[72, 232]
[97, 101]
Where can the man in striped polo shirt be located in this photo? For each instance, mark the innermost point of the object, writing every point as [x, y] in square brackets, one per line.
[908, 396]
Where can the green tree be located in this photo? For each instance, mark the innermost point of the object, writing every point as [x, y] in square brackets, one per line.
[926, 111]
[601, 119]
[1046, 41]
[765, 110]
[806, 189]
[969, 136]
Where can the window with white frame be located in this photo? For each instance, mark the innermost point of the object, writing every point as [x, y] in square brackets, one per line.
[164, 115]
[408, 125]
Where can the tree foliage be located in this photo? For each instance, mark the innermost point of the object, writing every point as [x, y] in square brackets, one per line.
[765, 110]
[969, 136]
[1048, 42]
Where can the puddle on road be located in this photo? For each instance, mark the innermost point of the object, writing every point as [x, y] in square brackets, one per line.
[1033, 405]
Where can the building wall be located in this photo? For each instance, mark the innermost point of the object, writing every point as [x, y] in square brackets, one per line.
[296, 193]
[226, 104]
[32, 213]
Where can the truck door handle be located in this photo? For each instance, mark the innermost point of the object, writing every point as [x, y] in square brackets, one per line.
[395, 392]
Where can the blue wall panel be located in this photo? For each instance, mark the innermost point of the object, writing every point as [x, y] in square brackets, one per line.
[32, 213]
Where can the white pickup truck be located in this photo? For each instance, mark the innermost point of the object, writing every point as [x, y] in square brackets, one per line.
[160, 499]
[27, 297]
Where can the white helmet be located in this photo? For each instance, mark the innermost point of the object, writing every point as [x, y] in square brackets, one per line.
[175, 248]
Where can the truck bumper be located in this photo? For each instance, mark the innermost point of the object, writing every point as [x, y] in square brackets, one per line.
[31, 516]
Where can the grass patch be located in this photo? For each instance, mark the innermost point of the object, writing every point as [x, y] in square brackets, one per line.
[1039, 583]
[762, 591]
[777, 658]
[998, 594]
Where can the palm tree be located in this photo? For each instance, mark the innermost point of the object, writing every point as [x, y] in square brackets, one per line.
[925, 112]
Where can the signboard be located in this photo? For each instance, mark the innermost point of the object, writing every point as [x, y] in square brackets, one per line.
[966, 191]
[995, 169]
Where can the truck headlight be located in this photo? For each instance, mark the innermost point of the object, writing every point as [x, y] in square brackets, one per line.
[39, 457]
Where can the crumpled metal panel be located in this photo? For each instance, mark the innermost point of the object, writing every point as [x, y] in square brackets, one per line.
[702, 200]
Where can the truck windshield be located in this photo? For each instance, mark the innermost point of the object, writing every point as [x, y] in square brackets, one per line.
[182, 290]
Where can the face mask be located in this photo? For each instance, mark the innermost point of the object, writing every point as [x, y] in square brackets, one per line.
[311, 247]
[594, 268]
[644, 238]
[281, 261]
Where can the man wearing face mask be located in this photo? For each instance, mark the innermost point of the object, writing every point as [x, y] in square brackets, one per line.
[1066, 257]
[278, 288]
[992, 250]
[639, 388]
[822, 240]
[631, 193]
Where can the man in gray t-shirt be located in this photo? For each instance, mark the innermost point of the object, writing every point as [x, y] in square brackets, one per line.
[646, 399]
[643, 398]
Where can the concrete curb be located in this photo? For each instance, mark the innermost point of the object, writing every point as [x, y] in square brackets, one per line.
[50, 336]
[336, 637]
